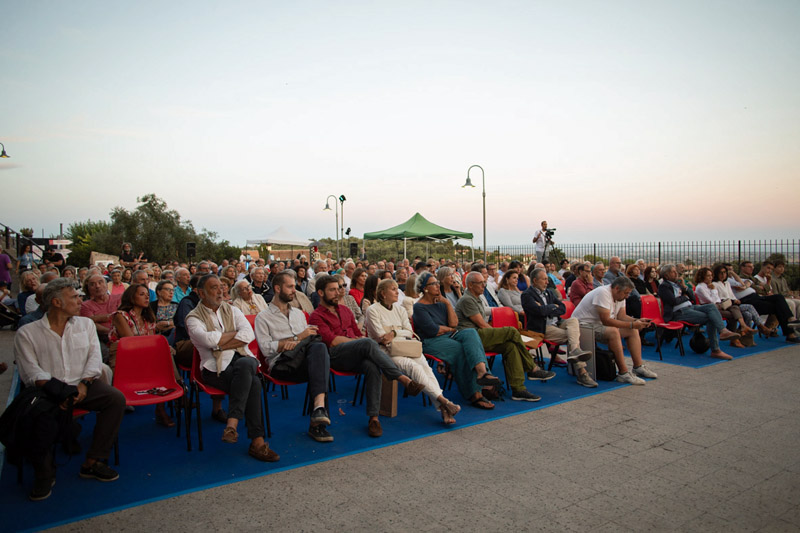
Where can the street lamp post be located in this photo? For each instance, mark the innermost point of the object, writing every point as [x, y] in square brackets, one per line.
[336, 226]
[344, 245]
[469, 184]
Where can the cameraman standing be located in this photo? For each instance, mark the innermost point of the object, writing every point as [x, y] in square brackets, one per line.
[542, 238]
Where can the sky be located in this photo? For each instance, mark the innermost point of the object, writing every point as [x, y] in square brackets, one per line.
[615, 121]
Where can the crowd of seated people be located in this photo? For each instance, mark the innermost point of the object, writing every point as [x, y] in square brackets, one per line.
[346, 314]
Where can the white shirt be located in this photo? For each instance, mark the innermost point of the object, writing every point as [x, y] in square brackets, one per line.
[31, 304]
[706, 295]
[724, 290]
[42, 354]
[205, 341]
[272, 326]
[539, 239]
[739, 290]
[380, 320]
[601, 297]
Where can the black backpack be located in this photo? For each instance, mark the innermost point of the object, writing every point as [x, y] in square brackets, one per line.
[605, 365]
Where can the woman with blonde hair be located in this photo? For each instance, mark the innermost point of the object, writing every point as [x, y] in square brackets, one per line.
[387, 321]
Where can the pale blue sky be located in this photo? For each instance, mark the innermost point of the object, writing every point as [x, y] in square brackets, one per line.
[605, 118]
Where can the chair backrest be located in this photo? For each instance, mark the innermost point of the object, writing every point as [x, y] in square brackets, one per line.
[252, 320]
[560, 288]
[570, 308]
[650, 308]
[503, 317]
[142, 361]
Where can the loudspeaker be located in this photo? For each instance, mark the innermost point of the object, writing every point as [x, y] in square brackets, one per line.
[353, 249]
[191, 249]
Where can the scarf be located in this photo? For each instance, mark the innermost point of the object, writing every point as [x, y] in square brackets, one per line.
[207, 316]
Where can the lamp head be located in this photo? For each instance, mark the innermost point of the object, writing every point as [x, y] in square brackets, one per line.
[468, 183]
[342, 198]
[327, 206]
[3, 154]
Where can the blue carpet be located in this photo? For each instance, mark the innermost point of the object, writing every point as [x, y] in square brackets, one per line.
[672, 354]
[154, 464]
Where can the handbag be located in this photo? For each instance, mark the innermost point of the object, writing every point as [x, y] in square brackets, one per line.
[406, 347]
[725, 304]
[292, 360]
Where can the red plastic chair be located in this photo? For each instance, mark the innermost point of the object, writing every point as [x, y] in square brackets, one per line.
[145, 363]
[197, 385]
[652, 310]
[562, 291]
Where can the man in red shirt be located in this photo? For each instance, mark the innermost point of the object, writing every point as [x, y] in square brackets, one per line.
[351, 352]
[582, 285]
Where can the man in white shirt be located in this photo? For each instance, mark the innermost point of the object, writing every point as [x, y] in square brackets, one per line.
[221, 333]
[64, 345]
[294, 352]
[604, 309]
[540, 239]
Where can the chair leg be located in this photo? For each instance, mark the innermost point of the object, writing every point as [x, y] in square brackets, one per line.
[265, 393]
[307, 403]
[333, 382]
[199, 420]
[658, 344]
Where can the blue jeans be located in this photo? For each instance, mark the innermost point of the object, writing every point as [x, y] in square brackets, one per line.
[707, 314]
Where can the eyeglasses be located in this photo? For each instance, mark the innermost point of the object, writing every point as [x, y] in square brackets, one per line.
[430, 266]
[431, 284]
[341, 286]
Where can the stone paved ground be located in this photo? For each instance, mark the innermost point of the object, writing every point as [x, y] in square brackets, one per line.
[714, 449]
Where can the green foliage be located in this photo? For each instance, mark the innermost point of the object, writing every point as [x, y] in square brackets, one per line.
[151, 228]
[84, 237]
[28, 232]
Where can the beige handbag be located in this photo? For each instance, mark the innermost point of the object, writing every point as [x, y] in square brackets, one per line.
[406, 347]
[724, 304]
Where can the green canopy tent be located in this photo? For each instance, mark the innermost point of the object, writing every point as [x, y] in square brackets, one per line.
[417, 228]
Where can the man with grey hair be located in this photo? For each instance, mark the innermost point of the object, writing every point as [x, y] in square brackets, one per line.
[140, 277]
[598, 273]
[604, 310]
[349, 268]
[64, 346]
[677, 301]
[642, 265]
[614, 271]
[203, 268]
[320, 267]
[517, 361]
[543, 309]
[182, 277]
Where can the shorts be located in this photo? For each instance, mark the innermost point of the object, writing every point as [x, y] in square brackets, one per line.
[600, 331]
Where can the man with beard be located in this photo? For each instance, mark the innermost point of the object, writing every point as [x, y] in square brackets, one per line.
[293, 351]
[351, 352]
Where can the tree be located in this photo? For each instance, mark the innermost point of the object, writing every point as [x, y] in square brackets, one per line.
[85, 237]
[151, 228]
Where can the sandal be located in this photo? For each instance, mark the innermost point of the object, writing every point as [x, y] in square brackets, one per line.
[489, 380]
[451, 407]
[482, 403]
[447, 418]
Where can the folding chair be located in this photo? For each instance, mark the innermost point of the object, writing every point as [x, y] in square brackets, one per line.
[145, 363]
[651, 310]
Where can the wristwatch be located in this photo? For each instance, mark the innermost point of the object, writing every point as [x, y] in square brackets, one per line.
[294, 338]
[87, 383]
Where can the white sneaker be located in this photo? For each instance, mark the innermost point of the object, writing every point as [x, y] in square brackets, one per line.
[644, 372]
[628, 377]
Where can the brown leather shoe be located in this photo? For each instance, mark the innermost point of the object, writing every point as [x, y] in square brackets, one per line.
[374, 428]
[263, 453]
[414, 388]
[230, 435]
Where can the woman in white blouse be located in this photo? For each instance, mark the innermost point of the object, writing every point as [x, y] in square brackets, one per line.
[411, 295]
[386, 321]
[707, 293]
[509, 293]
[749, 313]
